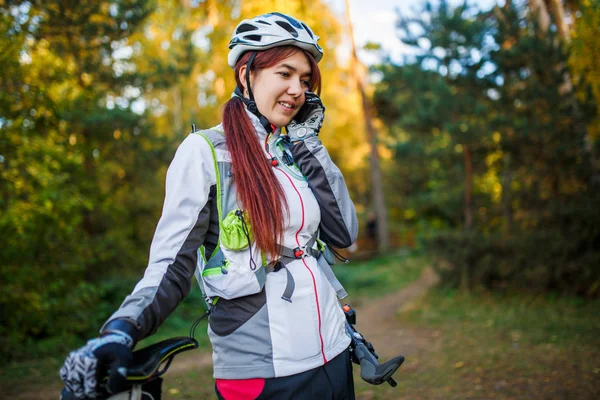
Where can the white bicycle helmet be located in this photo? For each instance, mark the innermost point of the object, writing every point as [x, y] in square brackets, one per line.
[272, 30]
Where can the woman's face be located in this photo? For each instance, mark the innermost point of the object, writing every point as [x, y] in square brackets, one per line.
[279, 90]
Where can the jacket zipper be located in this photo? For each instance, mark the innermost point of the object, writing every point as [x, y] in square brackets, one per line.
[303, 260]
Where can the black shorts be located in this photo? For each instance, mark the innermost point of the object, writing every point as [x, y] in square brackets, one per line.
[330, 381]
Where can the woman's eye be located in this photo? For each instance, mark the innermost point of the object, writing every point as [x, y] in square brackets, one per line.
[306, 83]
[284, 74]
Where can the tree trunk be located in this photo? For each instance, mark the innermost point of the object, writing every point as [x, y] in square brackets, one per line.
[507, 193]
[540, 10]
[468, 187]
[177, 108]
[465, 278]
[566, 86]
[538, 7]
[376, 180]
[558, 14]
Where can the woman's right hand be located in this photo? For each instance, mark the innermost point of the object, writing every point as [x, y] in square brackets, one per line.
[84, 369]
[307, 123]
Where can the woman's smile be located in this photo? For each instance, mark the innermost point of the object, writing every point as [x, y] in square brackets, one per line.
[287, 108]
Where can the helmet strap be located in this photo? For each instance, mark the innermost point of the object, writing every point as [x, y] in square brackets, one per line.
[248, 66]
[249, 102]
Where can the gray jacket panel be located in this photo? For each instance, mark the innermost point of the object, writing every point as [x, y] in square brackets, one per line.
[339, 225]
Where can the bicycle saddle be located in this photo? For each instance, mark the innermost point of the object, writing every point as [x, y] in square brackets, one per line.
[146, 361]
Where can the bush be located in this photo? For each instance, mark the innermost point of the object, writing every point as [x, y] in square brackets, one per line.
[539, 261]
[59, 320]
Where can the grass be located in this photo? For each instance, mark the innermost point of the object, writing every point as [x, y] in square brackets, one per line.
[380, 276]
[532, 319]
[501, 347]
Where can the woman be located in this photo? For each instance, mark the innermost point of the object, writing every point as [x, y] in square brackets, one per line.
[259, 205]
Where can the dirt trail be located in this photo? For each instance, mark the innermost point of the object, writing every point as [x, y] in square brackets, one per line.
[378, 323]
[375, 320]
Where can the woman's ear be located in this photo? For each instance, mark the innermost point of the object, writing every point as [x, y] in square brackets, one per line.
[242, 79]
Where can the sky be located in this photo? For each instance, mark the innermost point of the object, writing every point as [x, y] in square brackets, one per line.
[374, 21]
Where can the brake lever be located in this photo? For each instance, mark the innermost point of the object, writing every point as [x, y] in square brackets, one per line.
[363, 354]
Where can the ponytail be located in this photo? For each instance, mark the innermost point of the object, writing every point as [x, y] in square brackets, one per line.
[258, 190]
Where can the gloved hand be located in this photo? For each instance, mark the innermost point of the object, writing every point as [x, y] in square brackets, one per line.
[85, 368]
[308, 121]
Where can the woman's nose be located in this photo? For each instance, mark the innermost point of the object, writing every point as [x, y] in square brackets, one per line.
[296, 88]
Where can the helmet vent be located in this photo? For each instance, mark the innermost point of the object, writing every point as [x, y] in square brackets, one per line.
[260, 21]
[245, 28]
[308, 30]
[288, 28]
[289, 19]
[255, 38]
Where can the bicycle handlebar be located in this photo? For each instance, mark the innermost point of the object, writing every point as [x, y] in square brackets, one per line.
[372, 371]
[363, 354]
[147, 361]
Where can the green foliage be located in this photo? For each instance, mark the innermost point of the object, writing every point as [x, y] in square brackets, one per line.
[584, 56]
[67, 176]
[491, 82]
[63, 320]
[508, 262]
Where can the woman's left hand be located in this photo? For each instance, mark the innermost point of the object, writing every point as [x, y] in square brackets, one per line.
[307, 123]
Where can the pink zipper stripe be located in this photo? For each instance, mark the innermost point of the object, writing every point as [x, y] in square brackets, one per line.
[309, 271]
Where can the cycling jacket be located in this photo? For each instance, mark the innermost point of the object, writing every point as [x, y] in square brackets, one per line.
[255, 331]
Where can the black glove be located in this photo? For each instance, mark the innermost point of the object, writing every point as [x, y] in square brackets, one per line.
[85, 369]
[307, 123]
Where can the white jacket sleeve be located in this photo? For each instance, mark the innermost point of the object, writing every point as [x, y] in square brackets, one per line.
[182, 229]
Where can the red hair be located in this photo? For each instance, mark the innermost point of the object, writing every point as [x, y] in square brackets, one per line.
[258, 190]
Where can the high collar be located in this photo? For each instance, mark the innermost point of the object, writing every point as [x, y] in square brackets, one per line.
[260, 130]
